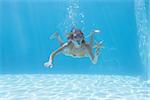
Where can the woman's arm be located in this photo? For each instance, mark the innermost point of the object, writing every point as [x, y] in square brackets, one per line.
[53, 54]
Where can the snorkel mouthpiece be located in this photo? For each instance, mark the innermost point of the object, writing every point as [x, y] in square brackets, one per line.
[77, 43]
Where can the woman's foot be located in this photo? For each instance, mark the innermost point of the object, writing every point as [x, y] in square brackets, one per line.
[54, 35]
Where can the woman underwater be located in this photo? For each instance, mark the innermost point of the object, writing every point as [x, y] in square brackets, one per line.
[76, 46]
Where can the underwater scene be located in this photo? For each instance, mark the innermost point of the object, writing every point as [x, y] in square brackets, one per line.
[74, 49]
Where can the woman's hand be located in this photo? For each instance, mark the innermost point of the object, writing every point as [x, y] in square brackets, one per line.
[48, 64]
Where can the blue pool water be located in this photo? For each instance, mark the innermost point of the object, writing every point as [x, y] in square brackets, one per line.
[123, 68]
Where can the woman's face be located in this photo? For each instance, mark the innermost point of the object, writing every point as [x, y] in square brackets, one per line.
[78, 37]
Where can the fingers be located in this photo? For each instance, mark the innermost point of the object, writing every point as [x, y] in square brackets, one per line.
[97, 51]
[98, 46]
[101, 42]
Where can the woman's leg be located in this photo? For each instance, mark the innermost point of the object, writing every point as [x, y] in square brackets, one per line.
[56, 35]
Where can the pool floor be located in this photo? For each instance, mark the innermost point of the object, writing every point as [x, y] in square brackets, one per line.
[72, 87]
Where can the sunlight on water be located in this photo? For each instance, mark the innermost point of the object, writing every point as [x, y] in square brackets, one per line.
[143, 31]
[72, 87]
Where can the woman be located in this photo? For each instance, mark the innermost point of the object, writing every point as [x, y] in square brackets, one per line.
[76, 46]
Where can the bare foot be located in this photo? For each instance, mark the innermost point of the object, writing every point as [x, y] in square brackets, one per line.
[97, 31]
[54, 35]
